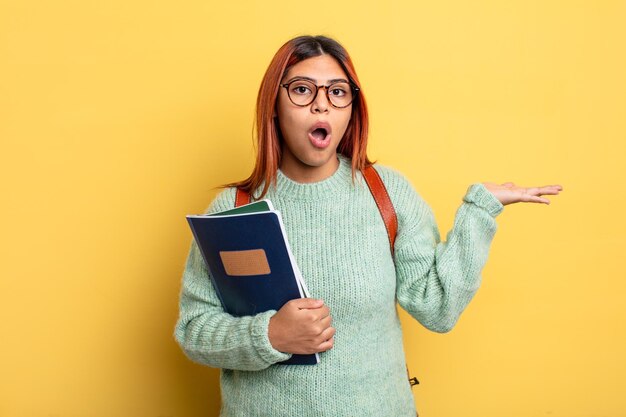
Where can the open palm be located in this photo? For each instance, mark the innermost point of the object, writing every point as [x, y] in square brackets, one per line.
[509, 193]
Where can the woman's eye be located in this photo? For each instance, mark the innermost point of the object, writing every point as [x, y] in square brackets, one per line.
[337, 92]
[301, 89]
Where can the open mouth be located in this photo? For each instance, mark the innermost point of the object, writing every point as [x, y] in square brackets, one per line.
[320, 137]
[320, 134]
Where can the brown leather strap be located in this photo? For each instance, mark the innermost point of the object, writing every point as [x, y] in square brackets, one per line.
[379, 192]
[242, 197]
[385, 206]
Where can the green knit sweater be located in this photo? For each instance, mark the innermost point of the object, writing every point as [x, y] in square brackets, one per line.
[340, 243]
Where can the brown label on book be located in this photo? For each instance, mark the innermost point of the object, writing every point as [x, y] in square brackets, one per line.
[240, 263]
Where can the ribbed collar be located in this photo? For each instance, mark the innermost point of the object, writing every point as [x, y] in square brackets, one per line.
[337, 183]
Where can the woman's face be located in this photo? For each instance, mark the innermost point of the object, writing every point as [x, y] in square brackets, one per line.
[309, 155]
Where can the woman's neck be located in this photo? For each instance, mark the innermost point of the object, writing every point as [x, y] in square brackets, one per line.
[297, 171]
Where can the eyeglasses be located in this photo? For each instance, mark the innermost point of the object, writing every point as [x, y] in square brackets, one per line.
[303, 92]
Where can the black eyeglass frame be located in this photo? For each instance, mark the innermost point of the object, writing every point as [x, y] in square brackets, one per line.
[354, 88]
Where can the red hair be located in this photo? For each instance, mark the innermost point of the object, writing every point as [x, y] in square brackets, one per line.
[354, 142]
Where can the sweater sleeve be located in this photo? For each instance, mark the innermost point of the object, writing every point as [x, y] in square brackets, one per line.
[205, 332]
[437, 280]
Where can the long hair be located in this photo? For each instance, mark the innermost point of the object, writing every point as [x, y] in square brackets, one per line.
[269, 152]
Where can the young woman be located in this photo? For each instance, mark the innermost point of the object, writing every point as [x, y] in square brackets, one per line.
[312, 126]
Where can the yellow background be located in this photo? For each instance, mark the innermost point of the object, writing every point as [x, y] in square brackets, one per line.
[118, 118]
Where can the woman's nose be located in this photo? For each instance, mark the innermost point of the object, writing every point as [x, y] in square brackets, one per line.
[320, 104]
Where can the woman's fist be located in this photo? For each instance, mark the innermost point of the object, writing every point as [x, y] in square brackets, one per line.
[302, 326]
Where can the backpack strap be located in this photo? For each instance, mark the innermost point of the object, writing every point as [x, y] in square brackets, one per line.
[379, 192]
[242, 197]
[385, 206]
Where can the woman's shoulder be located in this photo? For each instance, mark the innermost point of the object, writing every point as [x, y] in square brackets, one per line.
[397, 184]
[408, 204]
[224, 200]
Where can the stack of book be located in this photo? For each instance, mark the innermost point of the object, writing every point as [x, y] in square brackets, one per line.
[251, 265]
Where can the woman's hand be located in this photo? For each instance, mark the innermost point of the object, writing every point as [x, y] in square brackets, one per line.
[508, 193]
[302, 326]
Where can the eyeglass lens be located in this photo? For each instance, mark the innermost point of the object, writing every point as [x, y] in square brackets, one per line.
[303, 92]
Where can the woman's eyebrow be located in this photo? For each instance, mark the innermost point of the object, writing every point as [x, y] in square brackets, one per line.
[313, 80]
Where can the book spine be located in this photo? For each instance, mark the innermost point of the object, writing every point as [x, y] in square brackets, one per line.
[206, 263]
